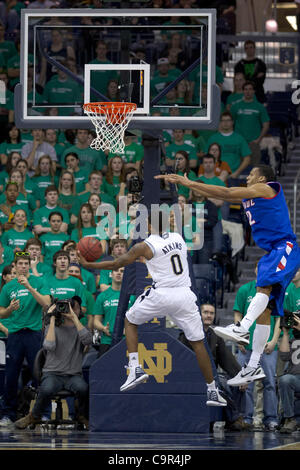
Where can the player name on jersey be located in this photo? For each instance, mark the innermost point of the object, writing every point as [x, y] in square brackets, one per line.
[171, 246]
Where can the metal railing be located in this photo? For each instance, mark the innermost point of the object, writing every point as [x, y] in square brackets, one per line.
[296, 197]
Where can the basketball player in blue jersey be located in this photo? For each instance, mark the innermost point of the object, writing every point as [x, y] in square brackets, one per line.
[165, 255]
[265, 206]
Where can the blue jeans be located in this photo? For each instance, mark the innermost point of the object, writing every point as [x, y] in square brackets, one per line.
[53, 383]
[289, 384]
[20, 345]
[268, 363]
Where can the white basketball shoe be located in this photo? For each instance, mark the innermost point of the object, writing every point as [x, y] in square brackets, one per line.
[247, 375]
[136, 376]
[234, 332]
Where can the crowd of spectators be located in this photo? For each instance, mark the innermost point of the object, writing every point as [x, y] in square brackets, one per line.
[52, 185]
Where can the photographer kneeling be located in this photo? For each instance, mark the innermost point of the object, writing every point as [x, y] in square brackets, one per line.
[64, 343]
[289, 382]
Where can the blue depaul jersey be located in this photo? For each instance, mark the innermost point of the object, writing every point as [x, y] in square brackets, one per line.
[269, 219]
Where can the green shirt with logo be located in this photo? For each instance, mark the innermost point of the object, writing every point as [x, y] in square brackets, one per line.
[292, 298]
[15, 239]
[52, 242]
[107, 305]
[249, 118]
[29, 314]
[64, 288]
[234, 148]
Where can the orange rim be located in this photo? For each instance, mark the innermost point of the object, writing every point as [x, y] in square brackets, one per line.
[109, 108]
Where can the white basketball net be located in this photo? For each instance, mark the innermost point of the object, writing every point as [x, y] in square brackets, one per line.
[110, 121]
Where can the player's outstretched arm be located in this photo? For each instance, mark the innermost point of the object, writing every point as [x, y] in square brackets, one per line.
[138, 250]
[234, 194]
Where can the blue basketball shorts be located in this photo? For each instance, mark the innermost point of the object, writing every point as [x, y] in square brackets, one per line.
[277, 268]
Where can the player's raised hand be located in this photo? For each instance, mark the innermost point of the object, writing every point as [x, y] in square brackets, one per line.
[174, 178]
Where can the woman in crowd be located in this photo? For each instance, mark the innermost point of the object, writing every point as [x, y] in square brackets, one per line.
[66, 190]
[222, 169]
[17, 237]
[43, 177]
[11, 144]
[12, 161]
[181, 167]
[115, 175]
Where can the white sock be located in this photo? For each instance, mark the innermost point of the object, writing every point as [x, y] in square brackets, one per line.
[260, 337]
[257, 306]
[133, 359]
[211, 386]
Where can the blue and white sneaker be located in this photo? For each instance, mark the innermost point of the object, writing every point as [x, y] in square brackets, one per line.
[214, 398]
[247, 375]
[136, 376]
[234, 332]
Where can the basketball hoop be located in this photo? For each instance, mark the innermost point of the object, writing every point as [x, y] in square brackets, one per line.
[110, 121]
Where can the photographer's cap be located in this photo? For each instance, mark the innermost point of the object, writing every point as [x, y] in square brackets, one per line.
[76, 297]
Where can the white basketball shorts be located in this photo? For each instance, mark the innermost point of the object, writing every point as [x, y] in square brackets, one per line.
[178, 303]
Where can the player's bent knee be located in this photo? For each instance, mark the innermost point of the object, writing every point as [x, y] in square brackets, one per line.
[264, 290]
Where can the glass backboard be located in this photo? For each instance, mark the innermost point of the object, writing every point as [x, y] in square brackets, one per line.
[165, 64]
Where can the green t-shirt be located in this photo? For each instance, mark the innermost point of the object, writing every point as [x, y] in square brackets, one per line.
[81, 178]
[173, 148]
[107, 305]
[7, 148]
[234, 148]
[105, 277]
[85, 197]
[101, 78]
[8, 49]
[249, 118]
[63, 288]
[43, 269]
[234, 98]
[13, 209]
[89, 159]
[7, 257]
[132, 153]
[41, 215]
[292, 298]
[90, 303]
[58, 91]
[29, 314]
[111, 189]
[15, 239]
[242, 301]
[52, 242]
[159, 82]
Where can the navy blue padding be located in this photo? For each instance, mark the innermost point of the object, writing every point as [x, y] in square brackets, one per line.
[171, 401]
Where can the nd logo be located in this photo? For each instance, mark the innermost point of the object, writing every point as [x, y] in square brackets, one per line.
[156, 362]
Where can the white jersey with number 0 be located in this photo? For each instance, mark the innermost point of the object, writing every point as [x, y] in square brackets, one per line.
[169, 266]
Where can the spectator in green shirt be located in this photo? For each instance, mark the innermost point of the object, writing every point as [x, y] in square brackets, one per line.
[53, 240]
[12, 142]
[8, 274]
[235, 150]
[37, 266]
[81, 176]
[251, 120]
[178, 143]
[41, 216]
[89, 159]
[101, 78]
[118, 247]
[17, 237]
[181, 167]
[115, 175]
[237, 94]
[18, 302]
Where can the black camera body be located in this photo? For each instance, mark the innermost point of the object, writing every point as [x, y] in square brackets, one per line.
[135, 185]
[287, 321]
[61, 307]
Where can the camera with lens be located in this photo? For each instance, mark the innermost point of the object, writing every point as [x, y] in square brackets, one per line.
[287, 321]
[61, 307]
[135, 185]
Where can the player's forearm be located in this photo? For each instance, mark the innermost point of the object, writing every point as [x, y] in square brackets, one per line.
[210, 191]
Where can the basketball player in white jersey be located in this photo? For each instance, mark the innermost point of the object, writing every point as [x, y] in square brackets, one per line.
[170, 294]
